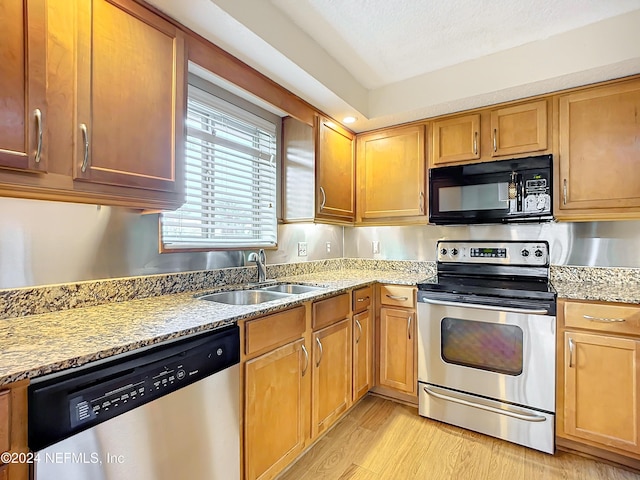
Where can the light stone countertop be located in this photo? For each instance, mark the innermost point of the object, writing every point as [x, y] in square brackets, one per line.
[34, 345]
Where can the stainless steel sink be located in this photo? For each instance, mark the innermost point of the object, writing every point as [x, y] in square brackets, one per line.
[244, 297]
[291, 288]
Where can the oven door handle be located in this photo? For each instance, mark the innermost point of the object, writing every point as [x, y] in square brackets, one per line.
[526, 311]
[509, 413]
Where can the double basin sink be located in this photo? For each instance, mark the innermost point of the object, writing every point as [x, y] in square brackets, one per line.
[258, 295]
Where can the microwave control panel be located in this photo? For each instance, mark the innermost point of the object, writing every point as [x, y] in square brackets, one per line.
[536, 189]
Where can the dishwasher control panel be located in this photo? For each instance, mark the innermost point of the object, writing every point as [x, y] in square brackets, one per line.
[68, 402]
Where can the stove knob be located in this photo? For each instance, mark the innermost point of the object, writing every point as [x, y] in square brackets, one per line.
[443, 251]
[454, 251]
[538, 253]
[525, 252]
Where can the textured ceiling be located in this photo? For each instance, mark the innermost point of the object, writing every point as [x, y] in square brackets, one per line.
[386, 41]
[392, 61]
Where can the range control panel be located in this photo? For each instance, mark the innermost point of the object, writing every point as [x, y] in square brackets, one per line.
[533, 253]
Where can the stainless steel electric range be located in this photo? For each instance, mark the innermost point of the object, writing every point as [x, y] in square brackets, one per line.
[486, 340]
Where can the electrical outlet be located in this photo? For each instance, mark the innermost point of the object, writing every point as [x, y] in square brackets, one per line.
[375, 246]
[302, 249]
[328, 247]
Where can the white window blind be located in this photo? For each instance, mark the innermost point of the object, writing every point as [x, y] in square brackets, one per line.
[230, 179]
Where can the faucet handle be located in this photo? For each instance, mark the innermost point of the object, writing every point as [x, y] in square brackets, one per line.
[262, 256]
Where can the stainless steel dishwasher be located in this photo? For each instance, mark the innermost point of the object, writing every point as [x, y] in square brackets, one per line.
[158, 413]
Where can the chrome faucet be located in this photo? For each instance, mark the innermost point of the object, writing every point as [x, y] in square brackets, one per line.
[261, 262]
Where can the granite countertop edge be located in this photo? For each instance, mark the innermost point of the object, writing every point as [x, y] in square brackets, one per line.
[36, 345]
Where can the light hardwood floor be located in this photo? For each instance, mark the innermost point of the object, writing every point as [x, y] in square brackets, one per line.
[380, 439]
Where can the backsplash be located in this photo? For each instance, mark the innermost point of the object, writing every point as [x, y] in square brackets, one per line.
[37, 300]
[50, 243]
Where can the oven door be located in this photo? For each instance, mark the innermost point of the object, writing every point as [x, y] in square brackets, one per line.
[501, 353]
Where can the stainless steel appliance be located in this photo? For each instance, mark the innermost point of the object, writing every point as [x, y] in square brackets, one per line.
[164, 412]
[486, 340]
[503, 191]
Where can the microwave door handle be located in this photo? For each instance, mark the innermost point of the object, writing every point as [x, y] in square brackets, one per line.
[494, 308]
[520, 192]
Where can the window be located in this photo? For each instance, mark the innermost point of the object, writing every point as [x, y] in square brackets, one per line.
[230, 179]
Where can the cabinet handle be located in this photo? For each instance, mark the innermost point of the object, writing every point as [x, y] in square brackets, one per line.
[321, 351]
[324, 199]
[571, 352]
[398, 297]
[363, 299]
[306, 363]
[38, 114]
[475, 143]
[602, 319]
[495, 139]
[564, 191]
[409, 327]
[421, 203]
[85, 136]
[359, 328]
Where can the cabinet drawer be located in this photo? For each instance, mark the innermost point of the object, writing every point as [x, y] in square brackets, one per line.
[361, 299]
[326, 312]
[271, 331]
[609, 317]
[4, 421]
[397, 296]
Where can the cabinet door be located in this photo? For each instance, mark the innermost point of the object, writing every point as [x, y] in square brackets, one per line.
[599, 149]
[397, 349]
[391, 168]
[331, 380]
[519, 129]
[601, 390]
[22, 84]
[131, 66]
[275, 400]
[362, 354]
[335, 172]
[456, 139]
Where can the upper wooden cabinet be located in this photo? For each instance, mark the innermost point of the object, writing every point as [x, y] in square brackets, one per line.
[130, 97]
[519, 129]
[113, 127]
[507, 131]
[391, 174]
[318, 172]
[455, 139]
[599, 153]
[335, 172]
[22, 84]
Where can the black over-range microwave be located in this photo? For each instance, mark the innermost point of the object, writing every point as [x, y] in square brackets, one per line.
[517, 190]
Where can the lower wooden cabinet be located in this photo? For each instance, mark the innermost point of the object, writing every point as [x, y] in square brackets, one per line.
[13, 428]
[598, 373]
[275, 409]
[602, 401]
[331, 379]
[362, 354]
[398, 349]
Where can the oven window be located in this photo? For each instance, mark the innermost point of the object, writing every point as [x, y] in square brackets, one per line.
[486, 196]
[487, 346]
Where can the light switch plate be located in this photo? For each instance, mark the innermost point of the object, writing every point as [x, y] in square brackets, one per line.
[302, 249]
[375, 246]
